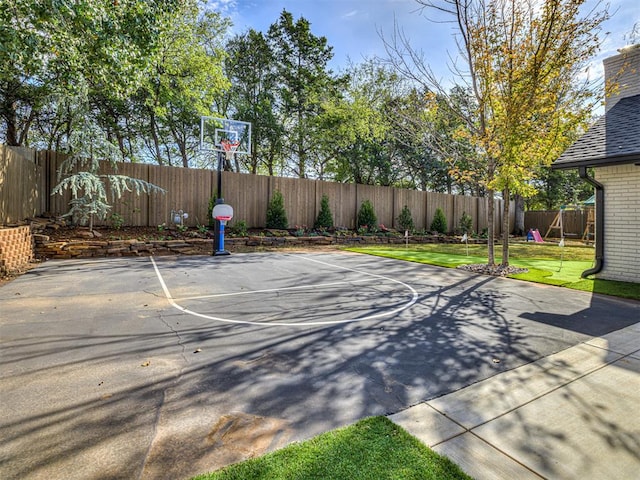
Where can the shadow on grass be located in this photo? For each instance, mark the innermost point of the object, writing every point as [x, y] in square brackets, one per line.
[548, 271]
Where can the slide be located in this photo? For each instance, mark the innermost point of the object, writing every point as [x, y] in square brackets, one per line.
[536, 236]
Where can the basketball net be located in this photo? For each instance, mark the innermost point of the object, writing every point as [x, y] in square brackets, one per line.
[229, 147]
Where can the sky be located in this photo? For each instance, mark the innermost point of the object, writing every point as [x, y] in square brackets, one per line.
[354, 27]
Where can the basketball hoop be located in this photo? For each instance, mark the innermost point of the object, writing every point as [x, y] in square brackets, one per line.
[230, 147]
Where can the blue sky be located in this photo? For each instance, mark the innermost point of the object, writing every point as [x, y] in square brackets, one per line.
[353, 27]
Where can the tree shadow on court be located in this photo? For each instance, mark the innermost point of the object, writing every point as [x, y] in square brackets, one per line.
[187, 394]
[316, 379]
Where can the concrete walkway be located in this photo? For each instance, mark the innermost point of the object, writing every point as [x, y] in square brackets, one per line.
[571, 415]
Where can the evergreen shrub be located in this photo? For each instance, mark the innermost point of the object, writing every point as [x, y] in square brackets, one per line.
[439, 223]
[367, 217]
[405, 220]
[466, 223]
[325, 218]
[276, 214]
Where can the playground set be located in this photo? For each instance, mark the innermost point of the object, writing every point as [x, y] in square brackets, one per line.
[558, 225]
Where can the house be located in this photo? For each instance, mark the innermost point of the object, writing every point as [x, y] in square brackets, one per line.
[612, 148]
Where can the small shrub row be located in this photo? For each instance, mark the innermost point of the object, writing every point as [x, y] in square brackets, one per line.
[367, 221]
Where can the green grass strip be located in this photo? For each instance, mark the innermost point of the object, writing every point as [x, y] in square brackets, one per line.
[373, 448]
[561, 268]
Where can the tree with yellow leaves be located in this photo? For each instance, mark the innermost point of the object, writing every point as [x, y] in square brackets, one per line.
[524, 63]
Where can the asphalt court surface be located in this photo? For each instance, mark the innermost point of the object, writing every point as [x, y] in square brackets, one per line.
[168, 367]
[291, 290]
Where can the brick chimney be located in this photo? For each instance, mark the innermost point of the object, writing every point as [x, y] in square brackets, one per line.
[622, 70]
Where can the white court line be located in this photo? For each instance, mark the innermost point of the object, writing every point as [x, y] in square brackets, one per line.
[413, 300]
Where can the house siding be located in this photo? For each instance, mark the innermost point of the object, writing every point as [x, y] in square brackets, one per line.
[621, 222]
[623, 72]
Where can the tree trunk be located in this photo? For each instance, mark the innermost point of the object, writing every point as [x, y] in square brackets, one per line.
[156, 140]
[491, 259]
[518, 227]
[505, 228]
[9, 114]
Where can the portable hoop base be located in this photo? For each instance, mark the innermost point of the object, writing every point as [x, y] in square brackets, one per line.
[221, 213]
[221, 251]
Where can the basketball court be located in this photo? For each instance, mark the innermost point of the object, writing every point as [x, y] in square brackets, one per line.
[166, 367]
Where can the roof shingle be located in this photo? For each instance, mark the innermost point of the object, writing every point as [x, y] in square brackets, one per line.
[613, 139]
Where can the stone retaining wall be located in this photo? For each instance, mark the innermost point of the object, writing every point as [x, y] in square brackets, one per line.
[16, 249]
[46, 249]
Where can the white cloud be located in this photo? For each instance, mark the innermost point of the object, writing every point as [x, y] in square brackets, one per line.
[224, 7]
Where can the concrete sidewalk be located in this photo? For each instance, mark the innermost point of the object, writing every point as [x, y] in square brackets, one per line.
[571, 415]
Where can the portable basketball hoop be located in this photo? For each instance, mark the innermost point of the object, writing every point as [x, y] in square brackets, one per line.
[223, 213]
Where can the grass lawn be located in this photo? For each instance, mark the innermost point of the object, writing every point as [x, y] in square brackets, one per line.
[373, 448]
[542, 260]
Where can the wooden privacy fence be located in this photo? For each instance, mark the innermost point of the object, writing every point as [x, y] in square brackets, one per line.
[27, 181]
[20, 182]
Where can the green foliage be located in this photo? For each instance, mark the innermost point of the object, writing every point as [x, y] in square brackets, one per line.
[325, 218]
[465, 223]
[276, 214]
[367, 217]
[148, 69]
[405, 220]
[79, 173]
[439, 222]
[300, 62]
[116, 220]
[250, 66]
[55, 48]
[239, 229]
[185, 78]
[525, 64]
[555, 188]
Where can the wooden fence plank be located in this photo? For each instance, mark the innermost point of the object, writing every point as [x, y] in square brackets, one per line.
[415, 201]
[341, 202]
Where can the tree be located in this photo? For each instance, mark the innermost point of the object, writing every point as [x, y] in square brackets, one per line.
[184, 78]
[301, 61]
[80, 173]
[252, 98]
[465, 223]
[405, 220]
[51, 49]
[523, 64]
[356, 127]
[555, 188]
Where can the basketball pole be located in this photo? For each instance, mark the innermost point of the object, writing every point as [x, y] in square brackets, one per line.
[219, 200]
